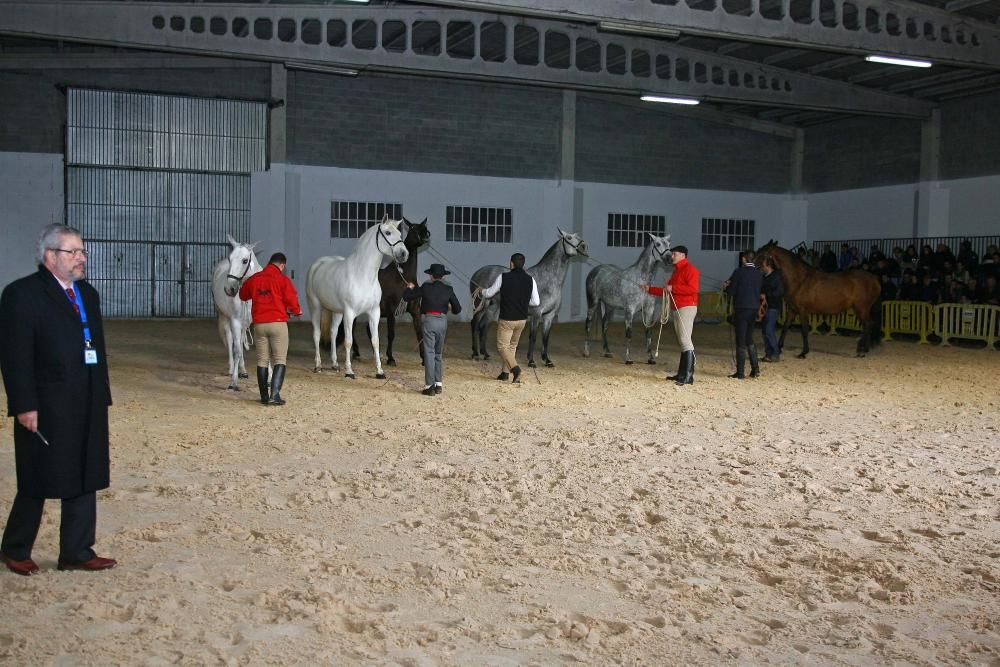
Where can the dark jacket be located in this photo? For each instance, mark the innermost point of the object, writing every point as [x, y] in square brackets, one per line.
[41, 356]
[744, 287]
[773, 289]
[435, 297]
[515, 294]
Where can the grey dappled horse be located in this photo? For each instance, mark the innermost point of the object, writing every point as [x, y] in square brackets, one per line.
[549, 275]
[612, 288]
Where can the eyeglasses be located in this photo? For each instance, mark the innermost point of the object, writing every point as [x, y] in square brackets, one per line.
[76, 252]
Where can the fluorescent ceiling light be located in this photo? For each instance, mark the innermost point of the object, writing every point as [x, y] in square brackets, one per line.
[906, 62]
[667, 99]
[638, 28]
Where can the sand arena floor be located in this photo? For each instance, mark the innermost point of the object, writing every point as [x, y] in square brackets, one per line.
[835, 511]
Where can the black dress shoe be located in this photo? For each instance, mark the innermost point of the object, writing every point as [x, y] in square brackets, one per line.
[516, 372]
[428, 391]
[25, 568]
[503, 376]
[438, 389]
[95, 564]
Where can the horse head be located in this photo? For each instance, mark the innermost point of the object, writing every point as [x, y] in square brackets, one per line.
[660, 247]
[573, 243]
[389, 241]
[417, 234]
[241, 261]
[765, 252]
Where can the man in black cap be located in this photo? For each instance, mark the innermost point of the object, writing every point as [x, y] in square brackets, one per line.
[436, 297]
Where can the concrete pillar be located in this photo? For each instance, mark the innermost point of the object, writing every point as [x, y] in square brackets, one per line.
[932, 216]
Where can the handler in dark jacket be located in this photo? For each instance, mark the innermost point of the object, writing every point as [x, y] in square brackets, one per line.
[744, 286]
[773, 290]
[436, 297]
[55, 373]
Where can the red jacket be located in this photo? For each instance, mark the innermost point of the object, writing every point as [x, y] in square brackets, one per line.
[684, 280]
[273, 295]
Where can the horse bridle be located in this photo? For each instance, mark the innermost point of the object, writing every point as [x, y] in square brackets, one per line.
[382, 235]
[574, 247]
[656, 249]
[239, 279]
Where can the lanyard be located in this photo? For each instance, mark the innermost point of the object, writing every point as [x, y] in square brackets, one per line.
[83, 316]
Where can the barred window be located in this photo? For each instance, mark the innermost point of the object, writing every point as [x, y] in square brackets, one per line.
[478, 224]
[350, 219]
[628, 230]
[727, 234]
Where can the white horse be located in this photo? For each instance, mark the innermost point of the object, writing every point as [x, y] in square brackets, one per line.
[348, 287]
[234, 314]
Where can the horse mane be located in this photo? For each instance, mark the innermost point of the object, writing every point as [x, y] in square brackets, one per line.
[554, 248]
[793, 257]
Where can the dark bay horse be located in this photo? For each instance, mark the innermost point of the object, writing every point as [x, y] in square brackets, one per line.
[809, 291]
[417, 235]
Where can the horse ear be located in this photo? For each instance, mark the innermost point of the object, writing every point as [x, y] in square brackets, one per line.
[233, 242]
[561, 232]
[423, 223]
[395, 223]
[385, 218]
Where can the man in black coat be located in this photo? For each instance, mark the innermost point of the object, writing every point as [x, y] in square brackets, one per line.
[744, 286]
[55, 373]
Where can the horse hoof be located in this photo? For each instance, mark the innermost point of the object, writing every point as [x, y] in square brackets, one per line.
[549, 364]
[475, 357]
[317, 369]
[608, 355]
[801, 356]
[233, 387]
[629, 362]
[349, 375]
[391, 362]
[378, 376]
[486, 357]
[651, 362]
[244, 376]
[586, 354]
[531, 364]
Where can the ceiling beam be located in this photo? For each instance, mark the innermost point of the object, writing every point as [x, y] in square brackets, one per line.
[850, 32]
[947, 88]
[959, 5]
[528, 51]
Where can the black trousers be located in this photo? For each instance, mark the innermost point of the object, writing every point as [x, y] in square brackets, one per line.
[77, 527]
[743, 320]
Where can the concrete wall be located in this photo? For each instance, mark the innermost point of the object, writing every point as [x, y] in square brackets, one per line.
[31, 196]
[970, 137]
[861, 153]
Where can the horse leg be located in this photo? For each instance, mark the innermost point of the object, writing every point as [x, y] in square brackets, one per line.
[316, 316]
[805, 335]
[532, 325]
[233, 363]
[605, 323]
[628, 338]
[335, 321]
[242, 353]
[355, 352]
[348, 341]
[484, 322]
[649, 346]
[374, 315]
[586, 329]
[474, 326]
[390, 331]
[546, 330]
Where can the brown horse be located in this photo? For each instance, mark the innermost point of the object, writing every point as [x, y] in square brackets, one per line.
[809, 291]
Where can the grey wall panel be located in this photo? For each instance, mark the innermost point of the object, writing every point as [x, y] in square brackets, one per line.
[34, 110]
[861, 153]
[620, 143]
[970, 137]
[425, 125]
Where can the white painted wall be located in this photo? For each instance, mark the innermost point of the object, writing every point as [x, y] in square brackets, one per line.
[538, 206]
[861, 214]
[974, 206]
[31, 196]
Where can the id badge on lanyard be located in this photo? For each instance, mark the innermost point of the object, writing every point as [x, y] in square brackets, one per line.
[89, 353]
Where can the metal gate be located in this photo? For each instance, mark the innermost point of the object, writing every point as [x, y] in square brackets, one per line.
[154, 183]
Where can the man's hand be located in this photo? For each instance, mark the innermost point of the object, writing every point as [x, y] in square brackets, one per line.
[411, 285]
[669, 288]
[29, 420]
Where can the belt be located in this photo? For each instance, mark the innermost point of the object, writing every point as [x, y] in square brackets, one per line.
[433, 312]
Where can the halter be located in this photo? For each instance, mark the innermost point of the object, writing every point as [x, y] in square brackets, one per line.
[574, 247]
[239, 279]
[381, 235]
[659, 254]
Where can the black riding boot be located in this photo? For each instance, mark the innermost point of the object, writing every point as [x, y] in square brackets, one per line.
[741, 362]
[688, 361]
[262, 383]
[680, 369]
[277, 379]
[754, 362]
[516, 372]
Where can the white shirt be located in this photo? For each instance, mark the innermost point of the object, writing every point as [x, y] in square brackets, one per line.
[495, 287]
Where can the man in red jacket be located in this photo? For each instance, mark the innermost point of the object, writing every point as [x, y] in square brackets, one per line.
[274, 298]
[682, 288]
